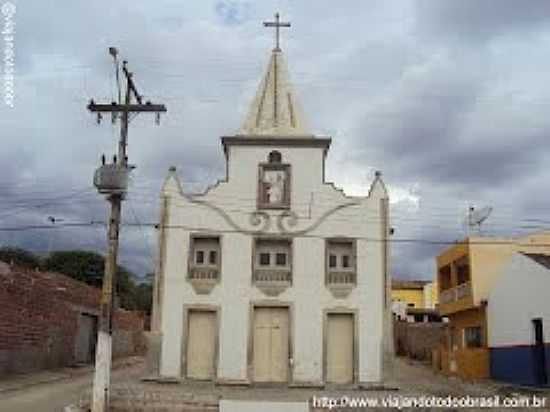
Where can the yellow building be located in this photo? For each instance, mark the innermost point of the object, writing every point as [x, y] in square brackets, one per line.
[466, 273]
[409, 291]
[413, 296]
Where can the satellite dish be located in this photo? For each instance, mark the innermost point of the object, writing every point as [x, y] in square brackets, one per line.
[477, 217]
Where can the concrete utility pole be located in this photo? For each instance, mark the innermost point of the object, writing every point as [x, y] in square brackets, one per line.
[112, 180]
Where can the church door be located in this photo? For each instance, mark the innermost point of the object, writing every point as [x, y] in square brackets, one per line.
[339, 355]
[201, 344]
[270, 346]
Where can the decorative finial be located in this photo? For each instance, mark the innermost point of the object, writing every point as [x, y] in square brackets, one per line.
[378, 173]
[277, 24]
[172, 169]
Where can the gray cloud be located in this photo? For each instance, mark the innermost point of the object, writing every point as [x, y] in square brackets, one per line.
[480, 20]
[450, 96]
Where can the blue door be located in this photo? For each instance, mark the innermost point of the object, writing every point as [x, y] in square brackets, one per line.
[539, 355]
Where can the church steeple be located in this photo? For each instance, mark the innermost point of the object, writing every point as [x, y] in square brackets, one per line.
[275, 111]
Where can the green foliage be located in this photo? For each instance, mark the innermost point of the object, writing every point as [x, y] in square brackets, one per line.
[19, 257]
[79, 264]
[144, 297]
[87, 267]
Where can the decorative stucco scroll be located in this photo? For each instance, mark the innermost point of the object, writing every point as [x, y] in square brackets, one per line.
[261, 221]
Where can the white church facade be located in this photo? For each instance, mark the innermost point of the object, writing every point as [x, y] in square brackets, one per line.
[273, 274]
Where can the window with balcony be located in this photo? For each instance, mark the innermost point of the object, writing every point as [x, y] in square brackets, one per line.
[341, 272]
[272, 269]
[204, 262]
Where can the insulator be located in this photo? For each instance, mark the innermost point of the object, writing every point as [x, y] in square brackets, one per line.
[99, 117]
[157, 118]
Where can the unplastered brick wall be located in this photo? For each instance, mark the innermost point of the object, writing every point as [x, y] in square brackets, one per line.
[40, 316]
[417, 340]
[128, 333]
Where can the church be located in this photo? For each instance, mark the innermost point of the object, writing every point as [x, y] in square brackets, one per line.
[273, 274]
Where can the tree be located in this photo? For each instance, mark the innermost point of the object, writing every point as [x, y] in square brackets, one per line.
[19, 257]
[144, 295]
[81, 265]
[89, 267]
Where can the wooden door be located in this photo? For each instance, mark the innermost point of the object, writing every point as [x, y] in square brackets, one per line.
[339, 356]
[201, 345]
[270, 344]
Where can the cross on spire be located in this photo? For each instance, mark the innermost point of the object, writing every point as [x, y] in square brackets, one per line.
[277, 24]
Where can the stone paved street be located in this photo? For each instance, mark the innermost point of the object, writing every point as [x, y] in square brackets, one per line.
[411, 379]
[50, 392]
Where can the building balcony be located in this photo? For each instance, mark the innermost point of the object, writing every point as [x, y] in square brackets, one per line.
[456, 298]
[341, 283]
[272, 281]
[203, 278]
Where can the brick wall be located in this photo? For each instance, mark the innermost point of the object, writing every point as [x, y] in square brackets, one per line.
[128, 327]
[417, 340]
[39, 320]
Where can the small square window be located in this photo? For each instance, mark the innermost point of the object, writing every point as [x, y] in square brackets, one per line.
[345, 261]
[332, 261]
[199, 257]
[265, 259]
[280, 259]
[213, 257]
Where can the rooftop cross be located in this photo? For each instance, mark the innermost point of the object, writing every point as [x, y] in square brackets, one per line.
[276, 24]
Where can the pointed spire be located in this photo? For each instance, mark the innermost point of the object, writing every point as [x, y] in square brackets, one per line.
[275, 111]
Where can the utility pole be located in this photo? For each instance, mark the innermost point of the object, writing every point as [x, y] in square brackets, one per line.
[112, 180]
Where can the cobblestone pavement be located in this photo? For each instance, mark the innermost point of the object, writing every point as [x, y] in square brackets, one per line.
[409, 379]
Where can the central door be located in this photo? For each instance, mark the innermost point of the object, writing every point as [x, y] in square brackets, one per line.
[339, 356]
[201, 344]
[270, 346]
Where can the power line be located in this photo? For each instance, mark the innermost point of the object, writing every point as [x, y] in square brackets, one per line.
[156, 226]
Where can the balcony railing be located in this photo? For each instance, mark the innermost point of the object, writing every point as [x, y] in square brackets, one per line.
[458, 292]
[272, 275]
[463, 290]
[203, 273]
[272, 281]
[339, 278]
[203, 278]
[341, 283]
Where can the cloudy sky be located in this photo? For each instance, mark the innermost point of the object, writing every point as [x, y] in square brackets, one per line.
[450, 99]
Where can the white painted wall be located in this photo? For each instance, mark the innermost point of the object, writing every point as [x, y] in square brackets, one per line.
[308, 294]
[521, 294]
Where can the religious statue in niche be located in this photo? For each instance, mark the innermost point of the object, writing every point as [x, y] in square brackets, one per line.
[274, 186]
